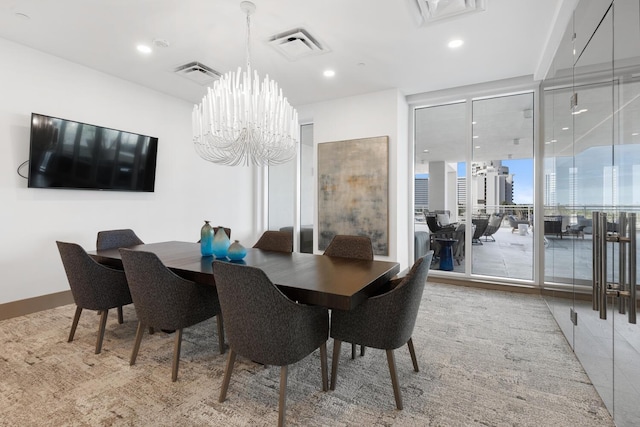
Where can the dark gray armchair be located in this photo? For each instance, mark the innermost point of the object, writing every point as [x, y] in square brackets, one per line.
[166, 301]
[267, 327]
[115, 239]
[358, 247]
[93, 286]
[385, 322]
[279, 241]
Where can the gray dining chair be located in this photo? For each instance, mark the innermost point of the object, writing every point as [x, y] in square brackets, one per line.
[357, 247]
[115, 239]
[265, 326]
[93, 287]
[165, 301]
[384, 322]
[278, 241]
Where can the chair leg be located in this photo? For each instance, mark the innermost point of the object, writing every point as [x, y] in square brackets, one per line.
[282, 404]
[323, 366]
[353, 351]
[412, 351]
[220, 333]
[74, 324]
[227, 375]
[334, 362]
[120, 316]
[151, 330]
[136, 345]
[362, 350]
[176, 355]
[101, 328]
[394, 378]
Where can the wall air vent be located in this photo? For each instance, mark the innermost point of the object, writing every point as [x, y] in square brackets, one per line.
[428, 11]
[198, 72]
[297, 43]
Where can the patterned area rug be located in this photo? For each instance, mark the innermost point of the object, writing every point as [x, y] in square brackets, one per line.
[487, 358]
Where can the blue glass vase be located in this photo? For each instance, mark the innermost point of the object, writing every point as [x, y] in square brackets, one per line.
[221, 243]
[236, 251]
[206, 239]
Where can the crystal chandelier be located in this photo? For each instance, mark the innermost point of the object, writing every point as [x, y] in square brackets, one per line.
[242, 121]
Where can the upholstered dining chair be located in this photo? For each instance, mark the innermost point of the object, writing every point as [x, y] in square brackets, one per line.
[115, 239]
[164, 300]
[358, 247]
[279, 241]
[384, 321]
[93, 286]
[265, 326]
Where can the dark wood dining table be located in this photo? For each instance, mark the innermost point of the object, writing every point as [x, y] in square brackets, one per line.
[332, 282]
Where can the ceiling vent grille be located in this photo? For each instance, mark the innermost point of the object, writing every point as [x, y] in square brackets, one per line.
[297, 43]
[429, 11]
[198, 72]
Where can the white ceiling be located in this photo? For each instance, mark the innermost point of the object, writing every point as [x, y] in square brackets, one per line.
[373, 45]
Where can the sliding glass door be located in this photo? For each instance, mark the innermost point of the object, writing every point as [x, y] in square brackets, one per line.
[473, 178]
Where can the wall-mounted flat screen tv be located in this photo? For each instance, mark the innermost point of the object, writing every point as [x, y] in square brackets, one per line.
[68, 154]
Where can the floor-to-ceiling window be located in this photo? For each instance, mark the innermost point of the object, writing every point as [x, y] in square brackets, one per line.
[473, 177]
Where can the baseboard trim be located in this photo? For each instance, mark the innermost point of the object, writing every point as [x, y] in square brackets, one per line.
[35, 304]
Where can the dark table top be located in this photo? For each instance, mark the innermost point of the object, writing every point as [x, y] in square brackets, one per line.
[332, 282]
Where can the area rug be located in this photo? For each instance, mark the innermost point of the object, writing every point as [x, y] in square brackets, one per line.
[487, 358]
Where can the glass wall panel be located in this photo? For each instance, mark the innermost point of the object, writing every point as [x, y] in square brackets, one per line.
[592, 163]
[501, 186]
[307, 197]
[282, 194]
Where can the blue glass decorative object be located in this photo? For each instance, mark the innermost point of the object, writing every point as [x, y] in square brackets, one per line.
[221, 243]
[236, 251]
[206, 239]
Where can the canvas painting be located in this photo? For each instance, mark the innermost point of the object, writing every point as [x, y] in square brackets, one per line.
[353, 191]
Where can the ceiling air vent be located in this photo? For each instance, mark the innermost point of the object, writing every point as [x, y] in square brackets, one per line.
[434, 10]
[297, 43]
[198, 72]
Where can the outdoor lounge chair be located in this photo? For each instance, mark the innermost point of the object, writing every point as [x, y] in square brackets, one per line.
[495, 220]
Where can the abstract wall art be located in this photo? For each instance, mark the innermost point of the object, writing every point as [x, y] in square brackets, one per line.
[353, 191]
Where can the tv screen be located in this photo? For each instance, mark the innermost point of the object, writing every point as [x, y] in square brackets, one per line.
[68, 154]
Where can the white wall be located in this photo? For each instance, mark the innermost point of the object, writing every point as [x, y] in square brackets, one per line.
[188, 189]
[370, 115]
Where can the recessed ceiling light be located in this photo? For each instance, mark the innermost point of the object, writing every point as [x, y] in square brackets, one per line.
[547, 142]
[635, 134]
[455, 43]
[565, 128]
[329, 73]
[477, 146]
[475, 137]
[554, 140]
[473, 123]
[425, 151]
[143, 48]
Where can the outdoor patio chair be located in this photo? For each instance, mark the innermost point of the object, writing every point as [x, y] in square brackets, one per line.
[495, 221]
